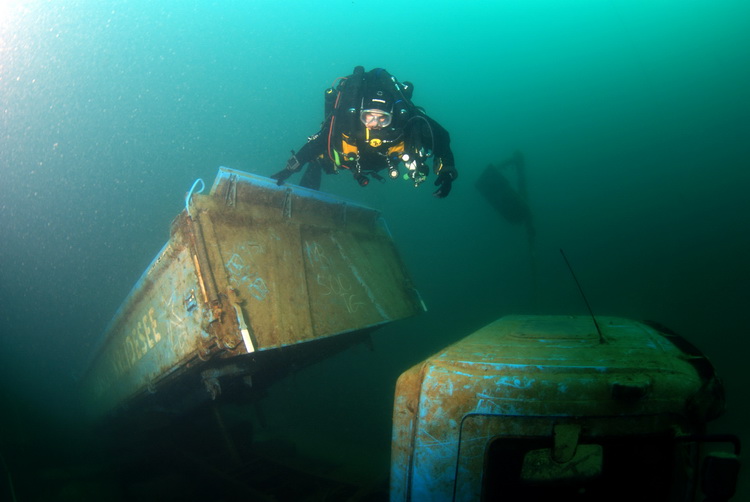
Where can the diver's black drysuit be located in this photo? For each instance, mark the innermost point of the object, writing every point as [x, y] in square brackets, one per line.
[344, 142]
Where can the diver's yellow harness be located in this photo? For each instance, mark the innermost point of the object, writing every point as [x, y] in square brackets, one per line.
[348, 156]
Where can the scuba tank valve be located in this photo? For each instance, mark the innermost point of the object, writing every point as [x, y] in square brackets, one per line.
[329, 101]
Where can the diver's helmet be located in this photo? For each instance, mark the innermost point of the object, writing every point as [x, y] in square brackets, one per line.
[376, 111]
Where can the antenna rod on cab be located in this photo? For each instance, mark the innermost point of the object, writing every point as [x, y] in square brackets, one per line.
[591, 312]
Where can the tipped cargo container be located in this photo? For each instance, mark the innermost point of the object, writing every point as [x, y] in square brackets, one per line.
[255, 278]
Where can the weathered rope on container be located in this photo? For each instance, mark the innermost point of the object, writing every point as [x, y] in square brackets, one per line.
[190, 194]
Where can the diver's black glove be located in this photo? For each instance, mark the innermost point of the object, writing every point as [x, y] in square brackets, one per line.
[281, 176]
[445, 182]
[292, 166]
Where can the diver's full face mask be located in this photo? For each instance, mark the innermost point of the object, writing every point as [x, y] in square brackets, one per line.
[375, 119]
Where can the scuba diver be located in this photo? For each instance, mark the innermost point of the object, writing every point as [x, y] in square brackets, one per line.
[372, 127]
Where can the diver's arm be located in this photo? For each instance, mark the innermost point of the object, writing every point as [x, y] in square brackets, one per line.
[315, 146]
[443, 163]
[441, 150]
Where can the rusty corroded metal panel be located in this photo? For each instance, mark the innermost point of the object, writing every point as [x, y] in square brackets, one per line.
[522, 376]
[250, 267]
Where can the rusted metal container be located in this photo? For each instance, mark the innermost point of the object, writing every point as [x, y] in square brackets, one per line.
[547, 408]
[249, 270]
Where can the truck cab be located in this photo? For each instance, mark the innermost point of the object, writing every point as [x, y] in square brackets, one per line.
[561, 408]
